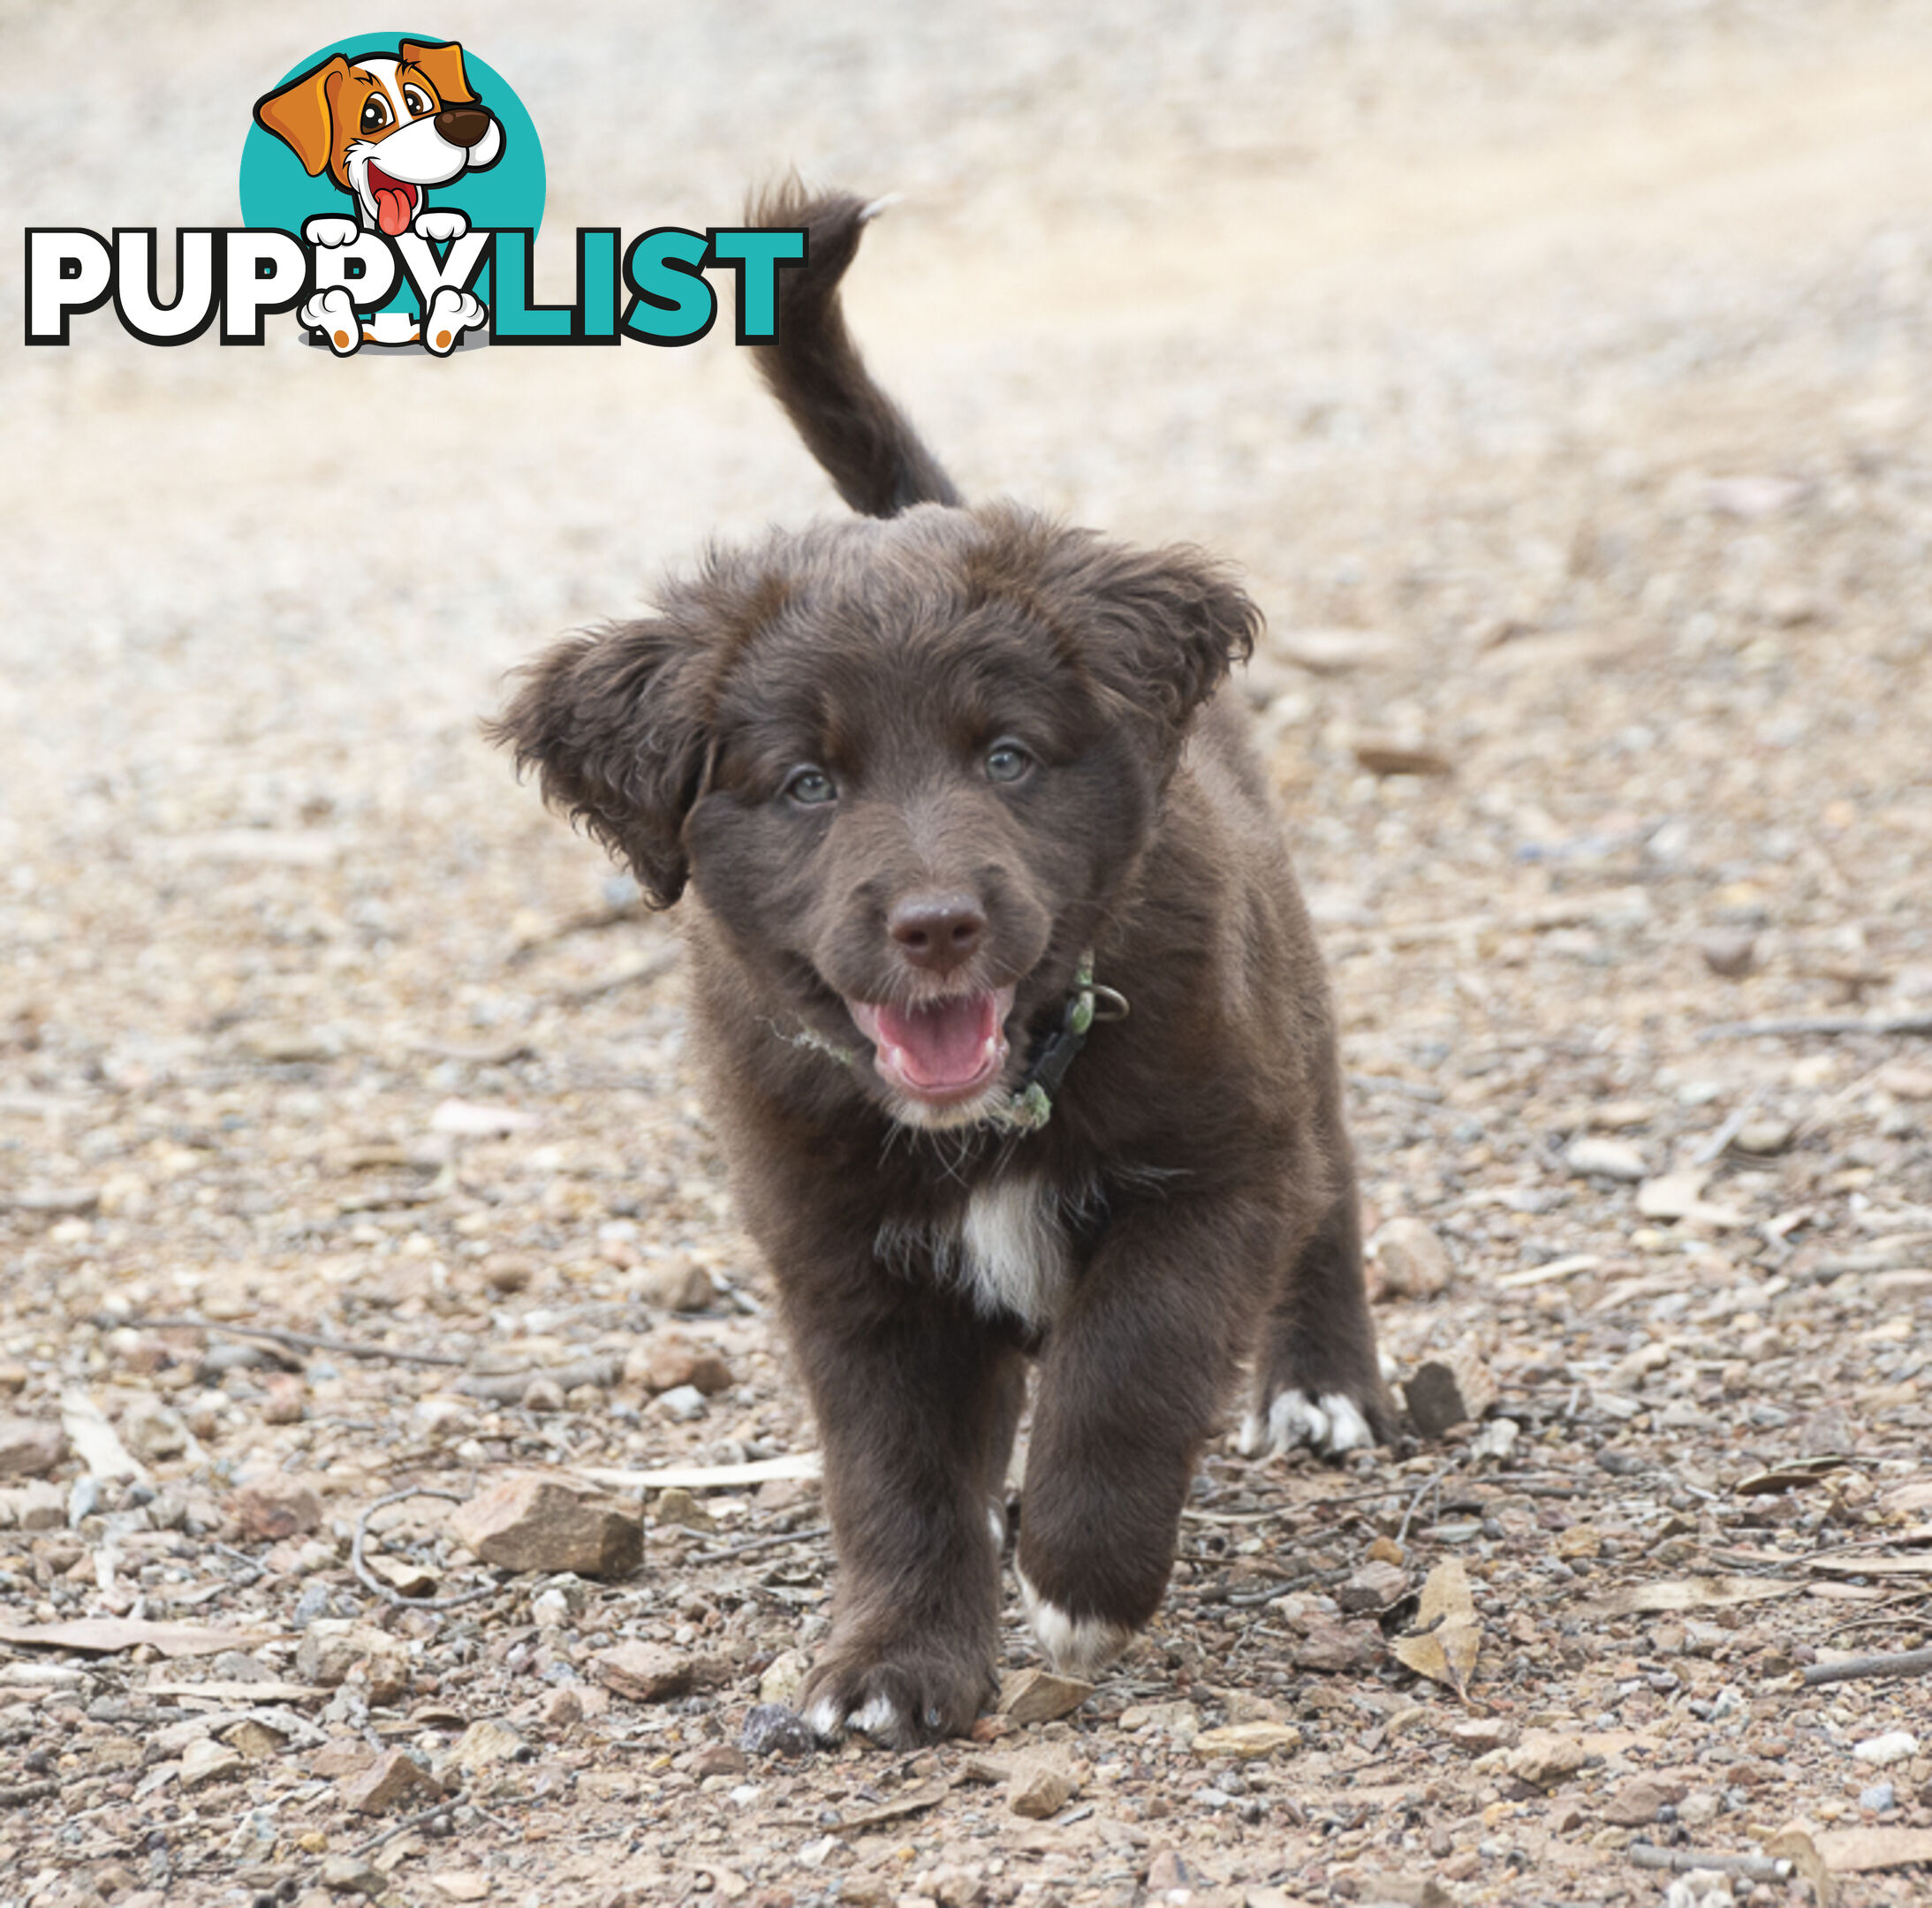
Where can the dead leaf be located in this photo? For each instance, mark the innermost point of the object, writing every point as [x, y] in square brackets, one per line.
[912, 1802]
[1689, 1593]
[107, 1636]
[1447, 1636]
[1791, 1476]
[1882, 1566]
[706, 1477]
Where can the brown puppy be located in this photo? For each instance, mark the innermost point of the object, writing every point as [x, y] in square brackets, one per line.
[949, 786]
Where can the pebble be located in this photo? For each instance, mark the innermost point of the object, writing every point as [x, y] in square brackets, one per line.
[539, 1523]
[351, 1874]
[1881, 1751]
[1595, 1157]
[1732, 954]
[207, 1761]
[683, 1402]
[1879, 1797]
[1040, 1792]
[771, 1729]
[276, 1506]
[30, 1447]
[1413, 1263]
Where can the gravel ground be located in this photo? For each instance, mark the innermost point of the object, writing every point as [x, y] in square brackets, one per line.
[1561, 378]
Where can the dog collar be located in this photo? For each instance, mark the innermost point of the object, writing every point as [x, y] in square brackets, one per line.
[1087, 1003]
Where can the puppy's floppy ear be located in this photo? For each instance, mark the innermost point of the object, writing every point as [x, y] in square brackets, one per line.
[440, 62]
[616, 726]
[301, 114]
[1157, 629]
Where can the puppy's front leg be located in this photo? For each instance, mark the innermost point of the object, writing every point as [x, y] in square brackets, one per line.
[912, 1395]
[1130, 1387]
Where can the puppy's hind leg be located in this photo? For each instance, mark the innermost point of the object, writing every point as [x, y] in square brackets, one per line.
[1319, 1382]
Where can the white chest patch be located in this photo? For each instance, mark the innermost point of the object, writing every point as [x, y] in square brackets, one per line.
[1013, 1250]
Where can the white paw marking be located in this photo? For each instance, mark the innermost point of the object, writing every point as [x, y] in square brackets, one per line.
[437, 225]
[1331, 1426]
[333, 312]
[879, 1717]
[1075, 1646]
[327, 230]
[824, 1721]
[996, 1522]
[451, 313]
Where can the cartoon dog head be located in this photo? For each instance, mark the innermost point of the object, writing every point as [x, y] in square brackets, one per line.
[384, 126]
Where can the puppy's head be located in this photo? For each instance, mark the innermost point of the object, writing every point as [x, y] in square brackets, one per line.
[385, 125]
[908, 766]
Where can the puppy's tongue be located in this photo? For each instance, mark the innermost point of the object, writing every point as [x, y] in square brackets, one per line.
[393, 200]
[942, 1050]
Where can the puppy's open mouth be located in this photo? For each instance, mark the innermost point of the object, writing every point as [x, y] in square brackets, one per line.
[394, 200]
[941, 1051]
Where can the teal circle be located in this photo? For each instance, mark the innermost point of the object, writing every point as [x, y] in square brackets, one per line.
[276, 190]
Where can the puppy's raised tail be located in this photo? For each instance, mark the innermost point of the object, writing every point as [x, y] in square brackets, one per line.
[866, 443]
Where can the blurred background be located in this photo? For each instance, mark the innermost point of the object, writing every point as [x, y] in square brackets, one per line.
[1557, 375]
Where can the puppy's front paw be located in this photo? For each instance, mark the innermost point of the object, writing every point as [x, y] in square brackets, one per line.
[1328, 1424]
[326, 229]
[901, 1700]
[333, 313]
[451, 313]
[440, 223]
[1073, 1645]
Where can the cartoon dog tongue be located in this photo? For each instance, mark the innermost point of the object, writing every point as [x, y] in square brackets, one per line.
[393, 200]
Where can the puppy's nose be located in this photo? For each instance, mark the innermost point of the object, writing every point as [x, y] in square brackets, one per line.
[462, 125]
[936, 931]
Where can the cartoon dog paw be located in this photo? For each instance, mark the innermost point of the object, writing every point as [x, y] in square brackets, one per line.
[328, 230]
[438, 225]
[451, 313]
[332, 313]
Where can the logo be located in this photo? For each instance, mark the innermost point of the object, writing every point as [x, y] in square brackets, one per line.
[391, 190]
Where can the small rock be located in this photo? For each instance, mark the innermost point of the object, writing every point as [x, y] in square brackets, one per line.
[718, 1759]
[770, 1728]
[1595, 1157]
[1030, 1696]
[1248, 1742]
[1413, 1260]
[151, 1431]
[784, 1678]
[675, 1286]
[331, 1646]
[1544, 1757]
[562, 1710]
[207, 1761]
[1449, 1391]
[350, 1875]
[543, 1395]
[484, 1745]
[1374, 1587]
[668, 1359]
[1763, 1139]
[459, 1885]
[533, 1523]
[1879, 1797]
[1881, 1751]
[680, 1507]
[1496, 1439]
[1672, 1195]
[394, 1777]
[1170, 1870]
[30, 1447]
[276, 1504]
[1579, 1541]
[645, 1672]
[508, 1272]
[287, 1399]
[684, 1403]
[1732, 954]
[1635, 1803]
[1336, 1648]
[41, 1505]
[1040, 1792]
[1478, 1735]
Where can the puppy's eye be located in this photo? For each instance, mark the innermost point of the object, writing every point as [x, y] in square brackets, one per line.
[375, 113]
[809, 787]
[1007, 761]
[417, 101]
